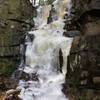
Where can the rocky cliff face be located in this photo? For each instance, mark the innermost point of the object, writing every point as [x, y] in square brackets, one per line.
[83, 78]
[81, 6]
[15, 20]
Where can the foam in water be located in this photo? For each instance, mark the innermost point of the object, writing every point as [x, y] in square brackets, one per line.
[42, 15]
[35, 2]
[42, 56]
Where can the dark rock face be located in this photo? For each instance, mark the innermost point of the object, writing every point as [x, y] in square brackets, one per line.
[84, 68]
[15, 20]
[83, 77]
[81, 6]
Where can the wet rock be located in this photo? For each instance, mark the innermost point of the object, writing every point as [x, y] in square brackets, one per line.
[21, 75]
[81, 6]
[34, 77]
[11, 31]
[83, 68]
[12, 95]
[73, 33]
[29, 38]
[12, 91]
[60, 60]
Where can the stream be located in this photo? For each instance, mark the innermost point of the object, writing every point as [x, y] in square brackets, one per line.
[43, 44]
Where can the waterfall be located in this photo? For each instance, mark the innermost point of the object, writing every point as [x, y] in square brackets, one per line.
[42, 54]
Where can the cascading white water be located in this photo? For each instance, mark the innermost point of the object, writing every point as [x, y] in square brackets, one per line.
[42, 56]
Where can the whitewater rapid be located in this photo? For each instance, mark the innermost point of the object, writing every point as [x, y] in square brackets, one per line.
[42, 54]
